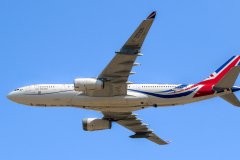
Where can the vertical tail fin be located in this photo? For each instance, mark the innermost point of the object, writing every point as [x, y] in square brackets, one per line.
[226, 75]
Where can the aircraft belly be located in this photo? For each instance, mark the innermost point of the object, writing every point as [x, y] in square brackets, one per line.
[98, 101]
[129, 100]
[134, 98]
[170, 101]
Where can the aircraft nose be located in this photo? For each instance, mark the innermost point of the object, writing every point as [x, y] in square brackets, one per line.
[11, 96]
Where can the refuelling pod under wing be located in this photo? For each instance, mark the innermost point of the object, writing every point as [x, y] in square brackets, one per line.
[87, 84]
[95, 124]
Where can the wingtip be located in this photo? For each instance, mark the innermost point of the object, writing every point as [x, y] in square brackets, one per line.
[168, 142]
[152, 15]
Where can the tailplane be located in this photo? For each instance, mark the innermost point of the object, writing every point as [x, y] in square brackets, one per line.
[231, 98]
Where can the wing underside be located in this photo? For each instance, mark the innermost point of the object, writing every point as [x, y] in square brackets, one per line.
[131, 122]
[116, 73]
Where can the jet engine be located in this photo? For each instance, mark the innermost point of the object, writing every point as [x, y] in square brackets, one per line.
[95, 124]
[86, 84]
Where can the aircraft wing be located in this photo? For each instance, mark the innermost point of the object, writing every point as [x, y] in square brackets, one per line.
[116, 73]
[131, 122]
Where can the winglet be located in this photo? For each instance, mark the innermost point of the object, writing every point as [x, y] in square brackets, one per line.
[134, 43]
[168, 142]
[152, 15]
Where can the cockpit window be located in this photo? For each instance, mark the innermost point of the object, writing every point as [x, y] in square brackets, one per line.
[16, 89]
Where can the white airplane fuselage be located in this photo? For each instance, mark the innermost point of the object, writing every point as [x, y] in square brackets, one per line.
[139, 96]
[115, 97]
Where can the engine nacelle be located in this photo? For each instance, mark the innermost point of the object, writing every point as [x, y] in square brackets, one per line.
[94, 124]
[86, 84]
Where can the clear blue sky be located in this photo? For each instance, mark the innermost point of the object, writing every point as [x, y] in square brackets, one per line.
[58, 41]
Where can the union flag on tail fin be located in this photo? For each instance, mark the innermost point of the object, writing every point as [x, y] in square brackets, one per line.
[222, 71]
[223, 78]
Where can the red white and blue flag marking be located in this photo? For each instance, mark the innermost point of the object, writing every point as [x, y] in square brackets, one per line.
[152, 15]
[203, 88]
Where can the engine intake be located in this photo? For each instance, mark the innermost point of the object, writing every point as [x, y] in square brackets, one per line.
[86, 84]
[95, 124]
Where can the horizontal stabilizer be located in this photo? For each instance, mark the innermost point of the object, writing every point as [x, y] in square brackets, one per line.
[229, 79]
[231, 98]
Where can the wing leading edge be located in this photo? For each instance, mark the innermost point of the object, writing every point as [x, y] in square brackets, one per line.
[116, 73]
[131, 122]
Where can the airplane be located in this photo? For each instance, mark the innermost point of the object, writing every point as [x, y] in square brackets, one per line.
[111, 94]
